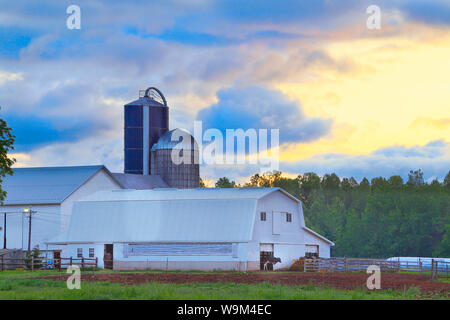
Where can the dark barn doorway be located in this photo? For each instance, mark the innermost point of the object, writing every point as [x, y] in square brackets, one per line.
[108, 256]
[57, 259]
[263, 257]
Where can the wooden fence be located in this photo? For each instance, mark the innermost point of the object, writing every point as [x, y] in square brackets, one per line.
[43, 263]
[435, 268]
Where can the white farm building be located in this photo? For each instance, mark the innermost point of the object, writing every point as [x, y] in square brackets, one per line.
[49, 193]
[136, 220]
[202, 229]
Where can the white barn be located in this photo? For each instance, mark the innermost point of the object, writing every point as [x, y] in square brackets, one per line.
[49, 193]
[202, 229]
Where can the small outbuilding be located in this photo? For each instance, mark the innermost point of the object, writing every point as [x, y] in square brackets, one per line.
[191, 229]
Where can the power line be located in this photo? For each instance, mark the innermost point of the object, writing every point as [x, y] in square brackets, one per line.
[46, 220]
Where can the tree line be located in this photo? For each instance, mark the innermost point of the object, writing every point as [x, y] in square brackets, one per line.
[375, 219]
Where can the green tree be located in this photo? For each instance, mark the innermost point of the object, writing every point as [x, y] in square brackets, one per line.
[224, 182]
[447, 180]
[443, 250]
[309, 185]
[6, 146]
[33, 259]
[275, 179]
[415, 178]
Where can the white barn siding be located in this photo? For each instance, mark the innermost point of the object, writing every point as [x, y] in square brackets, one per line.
[45, 223]
[123, 261]
[98, 182]
[324, 247]
[288, 241]
[71, 251]
[288, 252]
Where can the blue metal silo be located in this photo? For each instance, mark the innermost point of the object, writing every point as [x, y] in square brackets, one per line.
[146, 120]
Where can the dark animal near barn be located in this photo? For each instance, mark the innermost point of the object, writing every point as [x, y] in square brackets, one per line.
[272, 261]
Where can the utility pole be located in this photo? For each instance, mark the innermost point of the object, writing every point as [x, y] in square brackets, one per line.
[4, 232]
[29, 232]
[30, 212]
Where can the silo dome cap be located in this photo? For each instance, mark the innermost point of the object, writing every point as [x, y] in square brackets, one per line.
[176, 139]
[152, 97]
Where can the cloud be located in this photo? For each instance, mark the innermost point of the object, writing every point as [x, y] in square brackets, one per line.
[263, 108]
[66, 113]
[429, 122]
[32, 132]
[8, 76]
[436, 12]
[100, 149]
[54, 82]
[433, 158]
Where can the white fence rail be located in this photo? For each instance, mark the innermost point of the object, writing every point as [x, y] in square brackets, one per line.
[434, 268]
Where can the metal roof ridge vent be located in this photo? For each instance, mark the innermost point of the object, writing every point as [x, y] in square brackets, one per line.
[253, 188]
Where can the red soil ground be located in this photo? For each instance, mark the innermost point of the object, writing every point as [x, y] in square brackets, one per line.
[397, 282]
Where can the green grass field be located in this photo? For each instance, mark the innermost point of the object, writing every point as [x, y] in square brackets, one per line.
[19, 285]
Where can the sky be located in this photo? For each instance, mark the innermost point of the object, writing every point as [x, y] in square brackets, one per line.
[346, 99]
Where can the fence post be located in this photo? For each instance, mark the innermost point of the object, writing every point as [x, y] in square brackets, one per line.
[432, 269]
[420, 267]
[82, 262]
[70, 261]
[345, 264]
[96, 262]
[32, 263]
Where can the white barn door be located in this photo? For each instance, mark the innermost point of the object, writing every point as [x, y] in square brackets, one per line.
[276, 222]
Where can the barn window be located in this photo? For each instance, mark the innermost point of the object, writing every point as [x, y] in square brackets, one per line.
[91, 252]
[288, 217]
[79, 252]
[263, 216]
[180, 249]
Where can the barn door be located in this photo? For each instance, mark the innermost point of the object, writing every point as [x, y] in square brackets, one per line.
[108, 256]
[57, 259]
[265, 253]
[276, 222]
[312, 251]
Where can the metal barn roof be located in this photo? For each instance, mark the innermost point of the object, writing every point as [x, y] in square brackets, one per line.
[182, 194]
[165, 215]
[178, 220]
[139, 181]
[45, 185]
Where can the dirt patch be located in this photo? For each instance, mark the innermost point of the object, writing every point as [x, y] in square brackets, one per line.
[397, 282]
